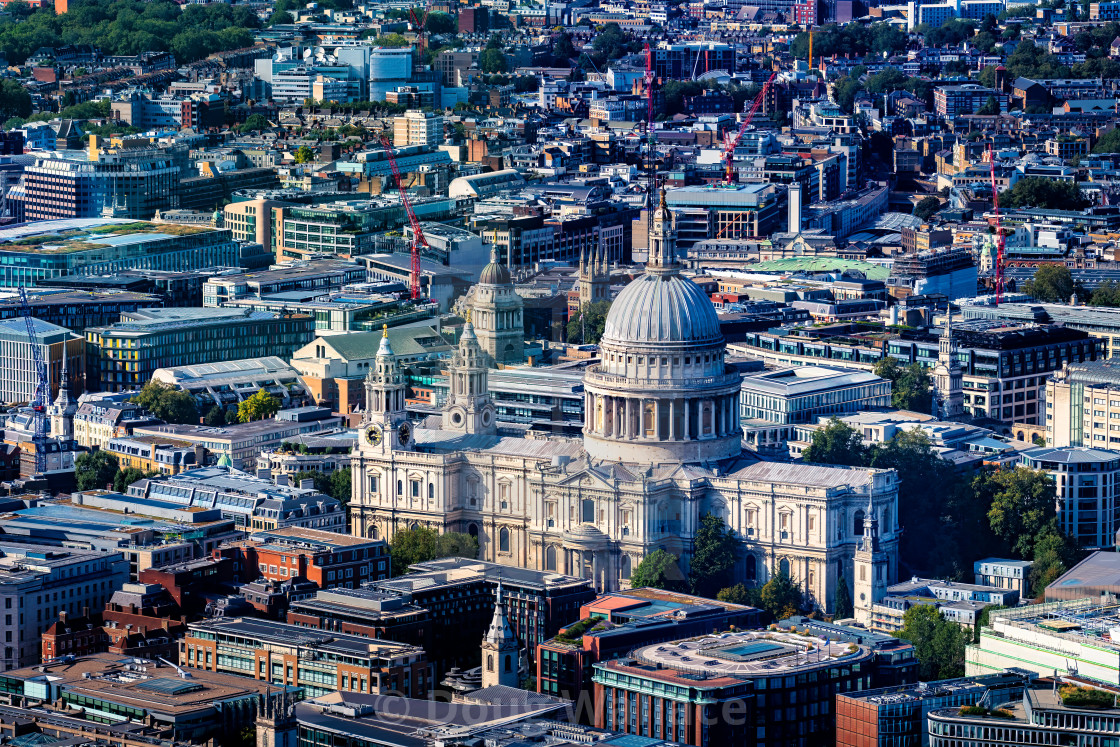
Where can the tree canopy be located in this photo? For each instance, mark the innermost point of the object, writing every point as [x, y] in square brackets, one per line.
[95, 470]
[836, 443]
[168, 403]
[129, 27]
[938, 643]
[1051, 283]
[781, 596]
[714, 553]
[1021, 503]
[1043, 192]
[411, 546]
[590, 319]
[260, 406]
[927, 207]
[911, 387]
[658, 570]
[336, 484]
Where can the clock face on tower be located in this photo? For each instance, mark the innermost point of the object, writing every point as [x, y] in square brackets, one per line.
[404, 433]
[374, 435]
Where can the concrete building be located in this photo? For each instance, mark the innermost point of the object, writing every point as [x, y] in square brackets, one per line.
[1099, 321]
[227, 383]
[58, 347]
[126, 355]
[1083, 406]
[48, 249]
[958, 602]
[290, 655]
[801, 394]
[1086, 495]
[1014, 575]
[416, 127]
[740, 211]
[37, 582]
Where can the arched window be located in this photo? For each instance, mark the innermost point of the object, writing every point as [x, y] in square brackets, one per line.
[431, 490]
[706, 418]
[886, 521]
[400, 487]
[625, 571]
[509, 663]
[503, 540]
[414, 526]
[373, 532]
[550, 558]
[490, 662]
[750, 567]
[472, 530]
[649, 419]
[783, 567]
[857, 525]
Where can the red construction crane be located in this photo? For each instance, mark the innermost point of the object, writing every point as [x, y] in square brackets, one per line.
[999, 228]
[418, 239]
[421, 26]
[651, 149]
[731, 143]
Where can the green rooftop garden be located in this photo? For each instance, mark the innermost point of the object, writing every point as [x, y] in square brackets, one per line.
[78, 240]
[1086, 697]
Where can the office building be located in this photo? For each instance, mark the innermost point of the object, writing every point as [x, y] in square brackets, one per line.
[118, 181]
[37, 582]
[613, 624]
[290, 655]
[1014, 575]
[738, 211]
[686, 61]
[227, 383]
[49, 249]
[802, 394]
[1004, 366]
[1088, 501]
[119, 691]
[252, 502]
[705, 691]
[1083, 405]
[126, 355]
[954, 101]
[78, 309]
[1046, 638]
[313, 276]
[949, 272]
[327, 559]
[416, 127]
[101, 417]
[1099, 321]
[890, 716]
[18, 376]
[957, 602]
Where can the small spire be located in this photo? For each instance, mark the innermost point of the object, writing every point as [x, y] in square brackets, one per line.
[384, 330]
[661, 205]
[494, 254]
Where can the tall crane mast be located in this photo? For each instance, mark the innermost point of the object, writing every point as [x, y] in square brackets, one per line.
[651, 169]
[999, 228]
[42, 388]
[731, 143]
[418, 239]
[421, 26]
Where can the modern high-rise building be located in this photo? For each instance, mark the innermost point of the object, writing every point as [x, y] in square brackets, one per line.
[125, 355]
[417, 127]
[18, 377]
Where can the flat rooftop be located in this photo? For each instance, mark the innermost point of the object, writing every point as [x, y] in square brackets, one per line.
[282, 634]
[88, 234]
[803, 380]
[448, 571]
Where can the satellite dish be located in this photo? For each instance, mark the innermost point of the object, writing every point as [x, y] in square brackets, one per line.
[319, 51]
[307, 54]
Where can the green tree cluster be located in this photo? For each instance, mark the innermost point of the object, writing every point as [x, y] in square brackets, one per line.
[420, 545]
[781, 596]
[261, 406]
[336, 484]
[949, 34]
[1043, 192]
[587, 325]
[167, 403]
[850, 40]
[1108, 142]
[129, 27]
[911, 386]
[15, 101]
[1051, 283]
[714, 552]
[927, 207]
[95, 470]
[304, 154]
[659, 570]
[129, 475]
[939, 644]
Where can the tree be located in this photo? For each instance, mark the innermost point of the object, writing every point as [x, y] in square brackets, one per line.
[714, 552]
[260, 406]
[1054, 554]
[989, 107]
[391, 40]
[420, 545]
[987, 76]
[15, 101]
[836, 443]
[1106, 294]
[441, 23]
[127, 476]
[1038, 440]
[1109, 142]
[658, 570]
[492, 61]
[781, 597]
[842, 602]
[215, 416]
[1043, 192]
[1051, 282]
[304, 154]
[913, 390]
[591, 320]
[168, 403]
[739, 594]
[563, 51]
[340, 487]
[938, 643]
[254, 123]
[280, 17]
[1021, 503]
[926, 207]
[95, 470]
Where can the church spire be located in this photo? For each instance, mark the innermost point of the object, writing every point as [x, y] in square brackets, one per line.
[501, 657]
[662, 241]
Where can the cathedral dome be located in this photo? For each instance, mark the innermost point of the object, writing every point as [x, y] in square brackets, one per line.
[662, 309]
[494, 273]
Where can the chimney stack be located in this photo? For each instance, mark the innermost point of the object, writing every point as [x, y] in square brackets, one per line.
[794, 197]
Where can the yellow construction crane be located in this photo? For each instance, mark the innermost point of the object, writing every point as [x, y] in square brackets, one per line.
[810, 49]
